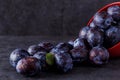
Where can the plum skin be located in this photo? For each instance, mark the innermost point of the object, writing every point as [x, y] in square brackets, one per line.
[112, 36]
[95, 37]
[99, 55]
[46, 45]
[79, 54]
[41, 56]
[28, 66]
[63, 62]
[16, 55]
[33, 49]
[61, 48]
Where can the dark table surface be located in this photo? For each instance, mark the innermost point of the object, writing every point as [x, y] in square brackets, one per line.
[111, 71]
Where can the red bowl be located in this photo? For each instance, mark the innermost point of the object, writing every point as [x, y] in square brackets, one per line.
[115, 50]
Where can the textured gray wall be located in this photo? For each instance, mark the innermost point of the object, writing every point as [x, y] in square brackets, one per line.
[46, 17]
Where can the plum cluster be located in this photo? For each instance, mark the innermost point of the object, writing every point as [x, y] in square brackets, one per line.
[41, 57]
[91, 46]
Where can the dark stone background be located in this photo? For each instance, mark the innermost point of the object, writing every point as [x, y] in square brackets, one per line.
[46, 17]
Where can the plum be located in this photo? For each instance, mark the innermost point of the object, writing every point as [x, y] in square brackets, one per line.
[34, 49]
[46, 45]
[95, 37]
[28, 66]
[16, 55]
[99, 55]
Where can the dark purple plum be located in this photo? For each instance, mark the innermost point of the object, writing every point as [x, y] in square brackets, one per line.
[83, 32]
[95, 37]
[62, 47]
[34, 49]
[63, 62]
[79, 43]
[41, 56]
[46, 45]
[112, 36]
[99, 19]
[28, 66]
[109, 21]
[114, 11]
[79, 54]
[99, 55]
[16, 55]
